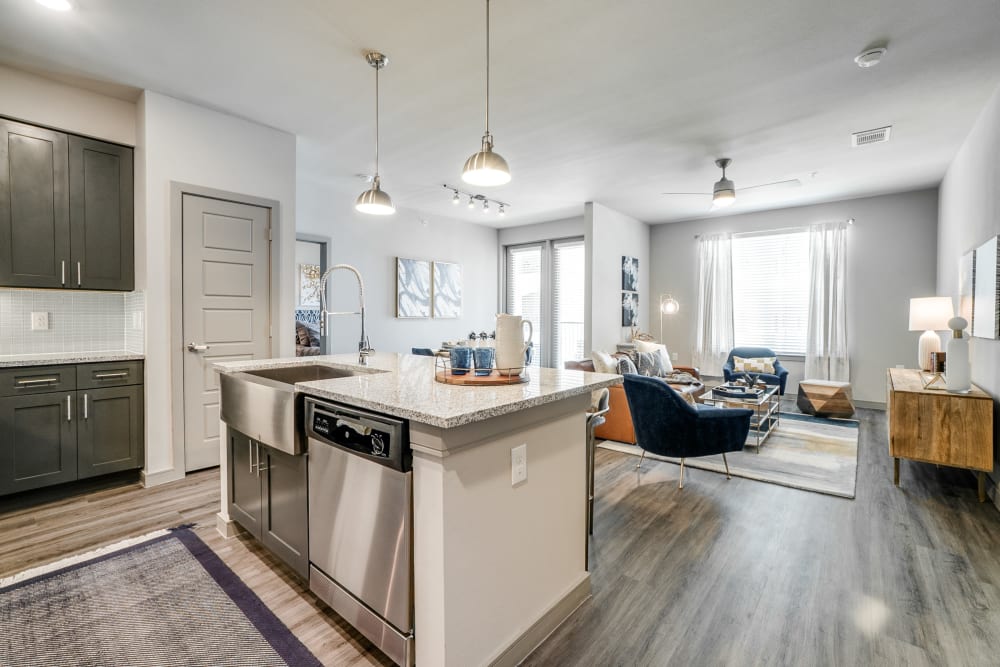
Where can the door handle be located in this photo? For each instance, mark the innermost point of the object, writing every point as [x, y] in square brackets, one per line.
[63, 263]
[79, 279]
[194, 347]
[85, 411]
[250, 455]
[69, 407]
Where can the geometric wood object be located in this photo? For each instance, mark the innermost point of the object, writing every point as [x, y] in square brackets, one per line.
[825, 398]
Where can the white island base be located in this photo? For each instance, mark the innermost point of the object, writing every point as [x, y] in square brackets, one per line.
[496, 567]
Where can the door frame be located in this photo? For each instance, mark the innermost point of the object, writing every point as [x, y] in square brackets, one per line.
[326, 256]
[178, 348]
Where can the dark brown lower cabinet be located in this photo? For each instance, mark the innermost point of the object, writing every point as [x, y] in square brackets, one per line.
[59, 424]
[37, 441]
[268, 497]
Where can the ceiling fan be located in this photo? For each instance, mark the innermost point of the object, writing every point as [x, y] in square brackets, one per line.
[724, 192]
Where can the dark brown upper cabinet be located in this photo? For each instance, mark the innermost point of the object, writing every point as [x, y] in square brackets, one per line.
[66, 211]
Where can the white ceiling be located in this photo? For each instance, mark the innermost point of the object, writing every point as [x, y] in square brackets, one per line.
[613, 101]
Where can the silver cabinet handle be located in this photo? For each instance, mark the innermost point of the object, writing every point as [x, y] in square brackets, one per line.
[85, 415]
[27, 383]
[250, 455]
[79, 280]
[69, 407]
[63, 262]
[259, 466]
[193, 347]
[105, 376]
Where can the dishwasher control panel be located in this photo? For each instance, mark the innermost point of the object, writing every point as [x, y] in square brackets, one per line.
[373, 436]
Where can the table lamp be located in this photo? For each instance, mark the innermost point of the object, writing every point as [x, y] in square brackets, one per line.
[929, 314]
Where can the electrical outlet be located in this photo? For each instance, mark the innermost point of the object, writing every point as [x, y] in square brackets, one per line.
[518, 464]
[674, 356]
[137, 320]
[39, 321]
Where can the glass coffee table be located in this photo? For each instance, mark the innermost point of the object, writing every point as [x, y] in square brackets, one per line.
[766, 407]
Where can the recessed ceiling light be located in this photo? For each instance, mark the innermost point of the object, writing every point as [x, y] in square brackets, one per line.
[58, 5]
[870, 57]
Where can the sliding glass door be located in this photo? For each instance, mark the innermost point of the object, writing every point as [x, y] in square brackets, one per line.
[544, 283]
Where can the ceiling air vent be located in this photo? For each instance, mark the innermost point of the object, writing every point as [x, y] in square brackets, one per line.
[877, 136]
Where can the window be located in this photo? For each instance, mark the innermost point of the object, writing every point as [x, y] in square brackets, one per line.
[771, 291]
[544, 283]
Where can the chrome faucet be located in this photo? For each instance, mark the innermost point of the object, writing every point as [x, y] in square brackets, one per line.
[364, 345]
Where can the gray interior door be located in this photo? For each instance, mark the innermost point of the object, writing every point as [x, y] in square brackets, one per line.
[226, 308]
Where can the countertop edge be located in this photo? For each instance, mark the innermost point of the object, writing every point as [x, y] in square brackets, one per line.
[19, 361]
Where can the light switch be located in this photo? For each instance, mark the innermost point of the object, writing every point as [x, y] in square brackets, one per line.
[39, 321]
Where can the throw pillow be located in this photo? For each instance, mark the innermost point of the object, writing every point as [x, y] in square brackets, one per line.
[604, 362]
[643, 346]
[650, 364]
[625, 366]
[754, 364]
[301, 334]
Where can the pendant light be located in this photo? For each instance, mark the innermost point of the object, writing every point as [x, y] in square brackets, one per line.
[486, 168]
[373, 201]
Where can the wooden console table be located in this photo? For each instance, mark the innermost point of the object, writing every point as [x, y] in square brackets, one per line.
[934, 426]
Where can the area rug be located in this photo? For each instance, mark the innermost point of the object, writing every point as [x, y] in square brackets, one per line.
[804, 452]
[164, 599]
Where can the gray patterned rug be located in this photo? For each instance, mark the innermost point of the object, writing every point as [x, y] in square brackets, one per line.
[804, 452]
[169, 601]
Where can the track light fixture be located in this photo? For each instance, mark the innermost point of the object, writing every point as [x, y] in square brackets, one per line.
[473, 197]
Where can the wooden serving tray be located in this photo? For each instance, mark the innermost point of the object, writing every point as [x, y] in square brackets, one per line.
[494, 379]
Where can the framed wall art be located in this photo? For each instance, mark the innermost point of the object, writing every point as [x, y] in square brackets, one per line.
[447, 296]
[413, 288]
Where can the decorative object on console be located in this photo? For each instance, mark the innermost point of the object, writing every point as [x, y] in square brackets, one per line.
[447, 294]
[373, 200]
[486, 167]
[630, 274]
[413, 288]
[986, 303]
[630, 309]
[309, 285]
[929, 314]
[958, 370]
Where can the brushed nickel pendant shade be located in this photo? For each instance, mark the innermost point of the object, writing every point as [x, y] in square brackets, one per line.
[486, 168]
[374, 201]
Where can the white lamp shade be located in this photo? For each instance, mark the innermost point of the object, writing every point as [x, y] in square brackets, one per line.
[930, 313]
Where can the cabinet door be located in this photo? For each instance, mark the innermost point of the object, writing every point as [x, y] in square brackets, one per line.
[101, 215]
[109, 430]
[34, 206]
[244, 483]
[285, 526]
[37, 441]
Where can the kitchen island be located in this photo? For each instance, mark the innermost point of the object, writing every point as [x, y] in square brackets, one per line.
[496, 565]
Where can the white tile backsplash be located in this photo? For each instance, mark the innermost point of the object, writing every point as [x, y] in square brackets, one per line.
[78, 321]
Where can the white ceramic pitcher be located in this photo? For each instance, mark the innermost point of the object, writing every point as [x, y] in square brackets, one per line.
[512, 343]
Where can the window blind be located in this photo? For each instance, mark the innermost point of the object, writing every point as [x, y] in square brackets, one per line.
[568, 269]
[524, 289]
[771, 291]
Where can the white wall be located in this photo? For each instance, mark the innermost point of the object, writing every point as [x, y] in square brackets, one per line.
[372, 243]
[542, 231]
[182, 142]
[609, 236]
[57, 105]
[969, 215]
[891, 257]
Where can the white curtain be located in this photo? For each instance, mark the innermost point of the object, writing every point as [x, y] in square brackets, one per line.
[826, 337]
[715, 303]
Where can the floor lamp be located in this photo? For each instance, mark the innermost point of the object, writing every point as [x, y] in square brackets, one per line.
[668, 306]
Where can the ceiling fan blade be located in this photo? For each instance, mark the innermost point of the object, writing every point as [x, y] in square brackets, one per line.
[777, 185]
[695, 194]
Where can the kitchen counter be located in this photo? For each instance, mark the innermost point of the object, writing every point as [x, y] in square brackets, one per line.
[404, 386]
[56, 358]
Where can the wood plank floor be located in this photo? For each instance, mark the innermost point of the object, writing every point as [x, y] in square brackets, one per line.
[744, 573]
[722, 573]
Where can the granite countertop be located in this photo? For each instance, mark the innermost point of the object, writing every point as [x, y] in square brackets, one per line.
[403, 385]
[56, 358]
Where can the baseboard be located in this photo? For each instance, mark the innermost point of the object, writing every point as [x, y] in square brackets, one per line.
[870, 405]
[149, 479]
[546, 624]
[226, 526]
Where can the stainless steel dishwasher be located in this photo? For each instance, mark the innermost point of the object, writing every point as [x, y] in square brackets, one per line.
[361, 522]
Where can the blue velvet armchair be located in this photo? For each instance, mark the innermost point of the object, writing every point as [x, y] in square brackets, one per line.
[667, 425]
[780, 376]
